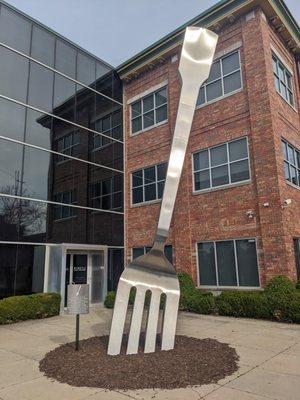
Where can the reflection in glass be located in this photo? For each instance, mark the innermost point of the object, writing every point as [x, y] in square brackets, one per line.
[247, 262]
[226, 263]
[13, 75]
[14, 30]
[65, 58]
[38, 128]
[12, 127]
[86, 69]
[64, 97]
[40, 87]
[42, 46]
[10, 167]
[36, 172]
[206, 265]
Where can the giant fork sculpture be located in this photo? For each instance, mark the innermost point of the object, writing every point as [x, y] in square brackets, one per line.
[153, 271]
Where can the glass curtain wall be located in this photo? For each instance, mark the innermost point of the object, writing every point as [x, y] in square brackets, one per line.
[61, 149]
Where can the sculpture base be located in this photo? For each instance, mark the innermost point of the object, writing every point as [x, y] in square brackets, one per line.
[193, 362]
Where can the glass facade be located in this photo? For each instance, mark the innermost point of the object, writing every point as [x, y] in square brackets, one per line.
[60, 141]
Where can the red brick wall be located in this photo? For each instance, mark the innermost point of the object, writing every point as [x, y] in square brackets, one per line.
[257, 112]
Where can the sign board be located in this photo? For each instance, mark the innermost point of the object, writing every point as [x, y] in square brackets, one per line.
[78, 299]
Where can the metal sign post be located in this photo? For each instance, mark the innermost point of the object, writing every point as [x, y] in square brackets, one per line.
[78, 303]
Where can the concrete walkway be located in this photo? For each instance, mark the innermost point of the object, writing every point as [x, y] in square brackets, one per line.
[269, 365]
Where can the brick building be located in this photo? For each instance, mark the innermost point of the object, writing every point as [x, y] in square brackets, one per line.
[236, 221]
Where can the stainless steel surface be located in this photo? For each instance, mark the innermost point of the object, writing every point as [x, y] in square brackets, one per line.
[78, 299]
[152, 271]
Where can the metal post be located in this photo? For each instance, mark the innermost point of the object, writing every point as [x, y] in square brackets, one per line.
[77, 332]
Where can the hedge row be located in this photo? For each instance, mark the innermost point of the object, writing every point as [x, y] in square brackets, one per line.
[34, 306]
[279, 301]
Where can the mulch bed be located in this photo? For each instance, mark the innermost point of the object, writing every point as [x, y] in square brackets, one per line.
[192, 362]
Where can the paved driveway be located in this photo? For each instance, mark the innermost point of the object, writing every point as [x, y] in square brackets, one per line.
[269, 365]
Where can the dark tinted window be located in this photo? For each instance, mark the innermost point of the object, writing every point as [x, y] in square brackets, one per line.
[226, 263]
[86, 69]
[247, 262]
[13, 75]
[14, 30]
[40, 87]
[12, 119]
[221, 165]
[207, 267]
[42, 46]
[65, 59]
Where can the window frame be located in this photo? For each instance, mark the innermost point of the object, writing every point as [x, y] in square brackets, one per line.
[223, 96]
[145, 252]
[237, 287]
[290, 164]
[71, 147]
[227, 185]
[107, 132]
[286, 70]
[154, 109]
[60, 206]
[156, 200]
[111, 194]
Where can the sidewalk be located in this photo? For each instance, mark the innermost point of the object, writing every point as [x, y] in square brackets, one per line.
[269, 359]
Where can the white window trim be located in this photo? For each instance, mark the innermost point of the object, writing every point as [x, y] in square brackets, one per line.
[283, 60]
[146, 92]
[228, 185]
[289, 163]
[288, 68]
[155, 125]
[222, 79]
[219, 287]
[145, 203]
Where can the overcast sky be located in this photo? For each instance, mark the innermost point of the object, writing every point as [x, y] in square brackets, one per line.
[115, 30]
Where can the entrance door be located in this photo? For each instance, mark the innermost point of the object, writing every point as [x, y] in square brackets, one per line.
[76, 270]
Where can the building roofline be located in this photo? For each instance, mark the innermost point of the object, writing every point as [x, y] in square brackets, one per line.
[40, 24]
[207, 18]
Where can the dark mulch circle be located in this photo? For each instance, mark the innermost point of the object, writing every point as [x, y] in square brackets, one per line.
[192, 362]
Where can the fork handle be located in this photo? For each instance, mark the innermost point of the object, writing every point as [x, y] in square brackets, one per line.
[182, 130]
[195, 62]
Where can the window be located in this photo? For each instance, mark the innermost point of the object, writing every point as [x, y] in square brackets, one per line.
[110, 125]
[139, 251]
[291, 163]
[283, 80]
[297, 255]
[148, 183]
[68, 145]
[107, 194]
[149, 111]
[228, 263]
[60, 211]
[225, 77]
[221, 165]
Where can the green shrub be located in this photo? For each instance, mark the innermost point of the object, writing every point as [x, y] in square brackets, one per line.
[21, 308]
[280, 285]
[110, 298]
[242, 304]
[193, 299]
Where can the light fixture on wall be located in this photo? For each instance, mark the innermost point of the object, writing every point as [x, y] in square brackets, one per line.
[250, 214]
[286, 203]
